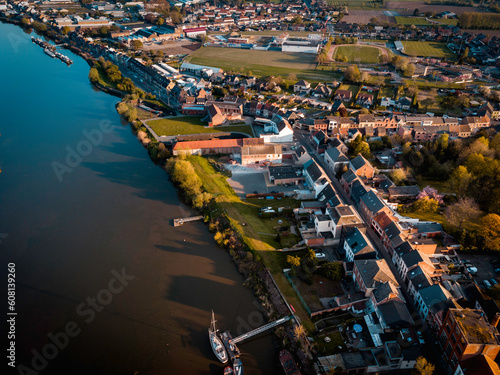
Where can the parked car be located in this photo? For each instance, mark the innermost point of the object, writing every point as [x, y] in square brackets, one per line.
[497, 270]
[320, 256]
[472, 270]
[493, 282]
[487, 284]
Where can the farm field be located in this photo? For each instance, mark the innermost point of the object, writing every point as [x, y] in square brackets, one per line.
[422, 7]
[417, 21]
[192, 125]
[261, 63]
[364, 16]
[278, 32]
[427, 49]
[359, 54]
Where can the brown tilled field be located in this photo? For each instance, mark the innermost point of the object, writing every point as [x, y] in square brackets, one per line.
[364, 16]
[182, 48]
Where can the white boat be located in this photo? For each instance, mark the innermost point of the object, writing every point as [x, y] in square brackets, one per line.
[49, 52]
[216, 342]
[238, 367]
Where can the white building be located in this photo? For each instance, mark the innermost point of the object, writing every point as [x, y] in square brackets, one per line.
[300, 45]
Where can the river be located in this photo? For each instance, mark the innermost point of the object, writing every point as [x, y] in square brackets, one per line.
[87, 219]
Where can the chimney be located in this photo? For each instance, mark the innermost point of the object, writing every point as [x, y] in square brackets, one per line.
[495, 320]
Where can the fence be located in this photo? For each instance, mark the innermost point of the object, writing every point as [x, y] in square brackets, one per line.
[298, 293]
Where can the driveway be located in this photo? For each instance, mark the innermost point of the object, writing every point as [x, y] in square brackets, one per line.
[248, 182]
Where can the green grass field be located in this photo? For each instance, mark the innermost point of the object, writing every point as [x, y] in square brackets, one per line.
[427, 49]
[262, 63]
[345, 86]
[192, 125]
[366, 55]
[277, 33]
[448, 21]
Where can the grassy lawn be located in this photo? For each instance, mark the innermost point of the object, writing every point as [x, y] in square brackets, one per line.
[427, 216]
[448, 21]
[375, 40]
[332, 347]
[247, 212]
[262, 63]
[345, 86]
[420, 82]
[321, 287]
[192, 125]
[427, 49]
[386, 92]
[366, 55]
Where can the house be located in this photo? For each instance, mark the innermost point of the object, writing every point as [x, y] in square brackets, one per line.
[215, 116]
[404, 103]
[362, 167]
[357, 246]
[342, 217]
[336, 160]
[343, 95]
[465, 334]
[387, 102]
[478, 365]
[329, 196]
[256, 154]
[316, 179]
[365, 100]
[281, 175]
[371, 205]
[430, 296]
[281, 132]
[321, 91]
[213, 146]
[302, 86]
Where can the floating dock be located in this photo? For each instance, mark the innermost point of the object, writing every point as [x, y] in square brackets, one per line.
[179, 222]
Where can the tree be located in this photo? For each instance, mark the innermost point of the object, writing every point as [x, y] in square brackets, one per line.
[65, 30]
[293, 260]
[297, 20]
[160, 21]
[398, 176]
[426, 103]
[136, 44]
[466, 209]
[409, 70]
[490, 230]
[423, 367]
[333, 270]
[425, 204]
[94, 75]
[460, 180]
[352, 73]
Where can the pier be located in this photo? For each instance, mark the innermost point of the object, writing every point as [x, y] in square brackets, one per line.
[260, 329]
[179, 222]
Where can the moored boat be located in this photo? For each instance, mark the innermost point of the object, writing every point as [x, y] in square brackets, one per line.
[49, 52]
[216, 342]
[238, 367]
[288, 363]
[228, 370]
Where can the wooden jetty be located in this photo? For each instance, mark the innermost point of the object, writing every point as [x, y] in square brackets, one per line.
[179, 222]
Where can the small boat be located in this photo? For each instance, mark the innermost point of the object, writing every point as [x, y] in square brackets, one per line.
[288, 363]
[238, 367]
[216, 342]
[228, 370]
[49, 52]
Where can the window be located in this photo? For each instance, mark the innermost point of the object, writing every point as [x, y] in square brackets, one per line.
[448, 350]
[453, 339]
[447, 328]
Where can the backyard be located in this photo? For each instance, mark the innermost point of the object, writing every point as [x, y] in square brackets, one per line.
[359, 54]
[261, 63]
[427, 49]
[192, 125]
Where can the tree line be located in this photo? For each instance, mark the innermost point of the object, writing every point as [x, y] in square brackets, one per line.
[473, 20]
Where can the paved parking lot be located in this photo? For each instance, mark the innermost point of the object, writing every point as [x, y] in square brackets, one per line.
[247, 183]
[485, 267]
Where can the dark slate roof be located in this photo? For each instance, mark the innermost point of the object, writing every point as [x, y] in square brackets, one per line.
[329, 196]
[358, 189]
[404, 248]
[334, 154]
[300, 151]
[392, 230]
[395, 314]
[433, 295]
[282, 125]
[386, 184]
[302, 83]
[358, 162]
[358, 243]
[383, 291]
[372, 201]
[349, 176]
[375, 272]
[412, 258]
[312, 169]
[418, 278]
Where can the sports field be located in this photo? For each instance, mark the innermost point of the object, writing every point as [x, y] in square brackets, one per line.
[261, 63]
[427, 49]
[359, 54]
[192, 125]
[419, 21]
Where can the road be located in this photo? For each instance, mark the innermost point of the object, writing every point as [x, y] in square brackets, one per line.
[431, 350]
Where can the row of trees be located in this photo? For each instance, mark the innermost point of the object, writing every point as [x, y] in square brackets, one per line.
[473, 20]
[183, 174]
